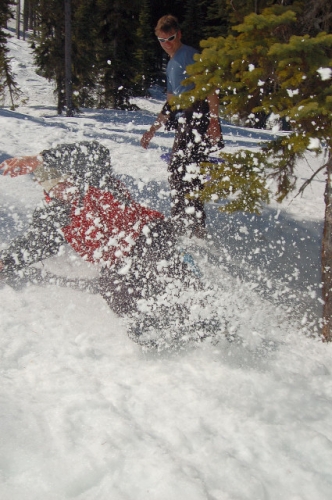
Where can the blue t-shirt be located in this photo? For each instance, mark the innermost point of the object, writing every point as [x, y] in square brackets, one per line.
[176, 69]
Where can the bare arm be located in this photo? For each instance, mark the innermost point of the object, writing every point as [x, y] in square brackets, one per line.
[160, 121]
[22, 165]
[147, 136]
[214, 130]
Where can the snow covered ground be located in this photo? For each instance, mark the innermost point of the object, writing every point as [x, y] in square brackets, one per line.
[86, 414]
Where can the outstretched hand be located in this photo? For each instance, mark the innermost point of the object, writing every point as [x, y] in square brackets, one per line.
[146, 138]
[20, 166]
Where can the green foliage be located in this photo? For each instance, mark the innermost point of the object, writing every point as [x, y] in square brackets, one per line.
[238, 66]
[118, 23]
[267, 71]
[194, 22]
[217, 19]
[103, 48]
[48, 45]
[241, 179]
[7, 79]
[84, 67]
[304, 95]
[145, 53]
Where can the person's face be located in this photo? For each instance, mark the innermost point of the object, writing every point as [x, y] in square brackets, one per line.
[170, 42]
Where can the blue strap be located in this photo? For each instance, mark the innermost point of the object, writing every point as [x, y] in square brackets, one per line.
[188, 259]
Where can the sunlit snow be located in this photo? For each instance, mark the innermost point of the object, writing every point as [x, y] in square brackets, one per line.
[325, 73]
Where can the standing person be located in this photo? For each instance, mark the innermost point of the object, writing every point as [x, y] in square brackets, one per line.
[197, 131]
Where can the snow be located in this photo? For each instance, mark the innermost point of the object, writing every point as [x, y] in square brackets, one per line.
[325, 73]
[87, 414]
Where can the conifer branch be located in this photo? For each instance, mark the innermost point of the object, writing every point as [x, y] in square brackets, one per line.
[308, 181]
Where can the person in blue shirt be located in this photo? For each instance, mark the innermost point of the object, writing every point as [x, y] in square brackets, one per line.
[197, 132]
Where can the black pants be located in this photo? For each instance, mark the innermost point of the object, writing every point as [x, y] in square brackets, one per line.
[191, 147]
[42, 240]
[153, 264]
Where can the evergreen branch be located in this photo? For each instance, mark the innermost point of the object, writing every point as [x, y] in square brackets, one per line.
[308, 181]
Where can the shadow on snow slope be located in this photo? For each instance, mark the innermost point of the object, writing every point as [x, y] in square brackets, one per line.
[129, 126]
[278, 254]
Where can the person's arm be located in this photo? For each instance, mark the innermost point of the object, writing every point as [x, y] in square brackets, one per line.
[20, 165]
[214, 130]
[149, 134]
[160, 121]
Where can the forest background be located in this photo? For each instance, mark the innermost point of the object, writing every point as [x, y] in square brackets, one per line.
[115, 55]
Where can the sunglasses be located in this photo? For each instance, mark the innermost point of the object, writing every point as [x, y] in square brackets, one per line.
[169, 39]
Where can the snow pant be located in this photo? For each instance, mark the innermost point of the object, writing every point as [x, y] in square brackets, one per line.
[42, 240]
[191, 147]
[153, 264]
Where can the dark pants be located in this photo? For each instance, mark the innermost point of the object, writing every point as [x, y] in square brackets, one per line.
[42, 240]
[191, 147]
[153, 264]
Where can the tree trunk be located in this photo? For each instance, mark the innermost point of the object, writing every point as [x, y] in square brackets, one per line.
[18, 18]
[327, 258]
[25, 17]
[68, 75]
[59, 90]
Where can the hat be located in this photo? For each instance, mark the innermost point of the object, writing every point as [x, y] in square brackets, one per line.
[48, 177]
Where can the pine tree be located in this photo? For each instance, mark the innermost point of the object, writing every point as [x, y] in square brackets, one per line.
[49, 49]
[118, 22]
[30, 15]
[49, 46]
[85, 69]
[145, 53]
[217, 19]
[267, 69]
[7, 81]
[161, 8]
[194, 22]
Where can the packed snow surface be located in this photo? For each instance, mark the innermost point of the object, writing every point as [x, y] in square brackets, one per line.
[87, 414]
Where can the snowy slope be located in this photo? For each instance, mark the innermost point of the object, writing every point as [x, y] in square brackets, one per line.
[86, 414]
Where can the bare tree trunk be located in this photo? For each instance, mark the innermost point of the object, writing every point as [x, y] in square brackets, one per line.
[25, 17]
[68, 75]
[18, 18]
[59, 93]
[327, 258]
